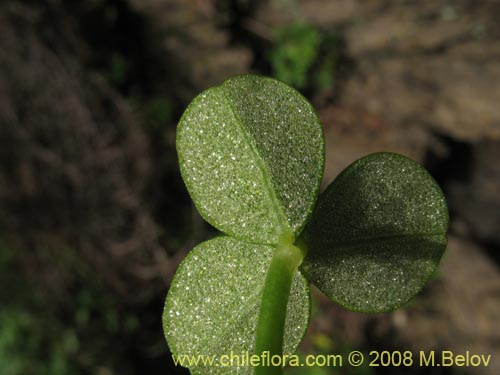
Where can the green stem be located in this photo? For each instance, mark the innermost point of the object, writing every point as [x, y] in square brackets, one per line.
[272, 314]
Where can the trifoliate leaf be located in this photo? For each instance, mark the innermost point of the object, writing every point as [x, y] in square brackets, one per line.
[213, 303]
[251, 154]
[377, 233]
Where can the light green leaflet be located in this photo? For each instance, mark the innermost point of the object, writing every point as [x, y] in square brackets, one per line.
[251, 153]
[213, 302]
[377, 233]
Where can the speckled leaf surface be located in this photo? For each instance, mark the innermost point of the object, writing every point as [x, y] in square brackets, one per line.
[377, 233]
[213, 304]
[251, 154]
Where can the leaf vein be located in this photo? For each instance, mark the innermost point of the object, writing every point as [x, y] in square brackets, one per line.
[282, 221]
[378, 239]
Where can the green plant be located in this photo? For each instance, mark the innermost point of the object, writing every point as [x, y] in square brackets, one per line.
[251, 154]
[296, 49]
[306, 58]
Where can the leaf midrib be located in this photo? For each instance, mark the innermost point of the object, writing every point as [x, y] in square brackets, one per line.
[285, 230]
[378, 239]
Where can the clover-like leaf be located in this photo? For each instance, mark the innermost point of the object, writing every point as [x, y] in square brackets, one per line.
[213, 304]
[251, 154]
[377, 233]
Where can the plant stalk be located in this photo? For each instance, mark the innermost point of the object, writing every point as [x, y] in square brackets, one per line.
[272, 315]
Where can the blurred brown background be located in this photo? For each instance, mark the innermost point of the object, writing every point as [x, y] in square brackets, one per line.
[94, 217]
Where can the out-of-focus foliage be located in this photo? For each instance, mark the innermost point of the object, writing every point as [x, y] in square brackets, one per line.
[37, 339]
[26, 347]
[31, 341]
[295, 51]
[306, 57]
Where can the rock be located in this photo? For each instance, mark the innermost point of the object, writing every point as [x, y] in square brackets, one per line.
[193, 38]
[73, 165]
[353, 134]
[424, 64]
[418, 66]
